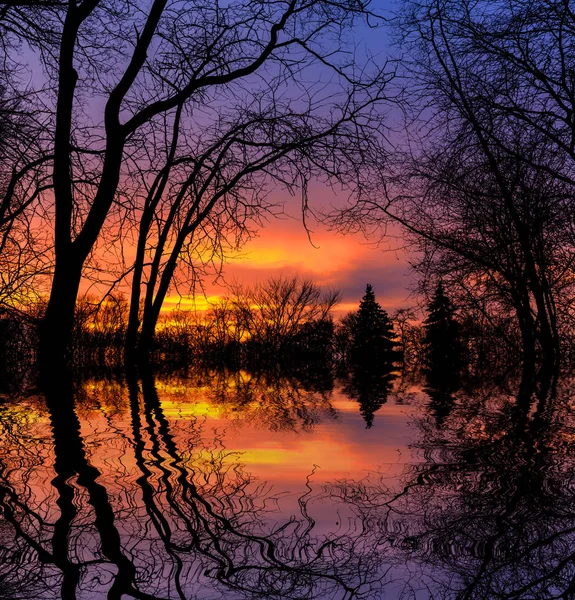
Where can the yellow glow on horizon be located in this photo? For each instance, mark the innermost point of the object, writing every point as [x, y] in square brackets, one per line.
[198, 302]
[178, 410]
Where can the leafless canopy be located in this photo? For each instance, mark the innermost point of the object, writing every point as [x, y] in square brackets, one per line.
[156, 117]
[485, 182]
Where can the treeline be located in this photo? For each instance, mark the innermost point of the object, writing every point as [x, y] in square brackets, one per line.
[283, 330]
[283, 319]
[287, 321]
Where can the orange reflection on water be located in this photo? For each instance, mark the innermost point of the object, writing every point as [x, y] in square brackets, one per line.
[275, 446]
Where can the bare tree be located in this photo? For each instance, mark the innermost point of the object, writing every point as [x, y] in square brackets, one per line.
[225, 193]
[503, 74]
[24, 256]
[485, 185]
[124, 70]
[409, 334]
[274, 311]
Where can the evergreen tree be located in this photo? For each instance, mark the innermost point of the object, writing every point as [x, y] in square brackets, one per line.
[444, 348]
[372, 333]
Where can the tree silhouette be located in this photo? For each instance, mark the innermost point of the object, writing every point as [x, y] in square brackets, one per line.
[193, 120]
[23, 262]
[371, 355]
[372, 333]
[485, 192]
[444, 355]
[444, 347]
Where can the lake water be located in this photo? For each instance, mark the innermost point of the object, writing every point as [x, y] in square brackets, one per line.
[219, 485]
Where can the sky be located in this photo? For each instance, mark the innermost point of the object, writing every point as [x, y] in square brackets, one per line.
[334, 261]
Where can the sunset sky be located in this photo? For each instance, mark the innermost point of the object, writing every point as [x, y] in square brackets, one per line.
[281, 247]
[346, 263]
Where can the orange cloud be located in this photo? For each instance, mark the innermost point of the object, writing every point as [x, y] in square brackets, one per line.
[346, 263]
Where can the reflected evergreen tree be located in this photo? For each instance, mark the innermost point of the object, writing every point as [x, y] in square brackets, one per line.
[440, 386]
[445, 350]
[372, 333]
[370, 388]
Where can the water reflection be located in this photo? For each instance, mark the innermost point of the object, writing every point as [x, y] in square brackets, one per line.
[105, 493]
[441, 385]
[138, 509]
[505, 524]
[489, 511]
[370, 387]
[281, 403]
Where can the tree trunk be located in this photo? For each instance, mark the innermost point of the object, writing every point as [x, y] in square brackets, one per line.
[131, 341]
[152, 202]
[152, 308]
[58, 324]
[150, 320]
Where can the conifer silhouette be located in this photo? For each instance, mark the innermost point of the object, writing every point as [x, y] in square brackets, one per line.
[372, 333]
[444, 347]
